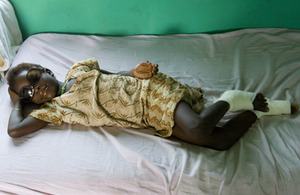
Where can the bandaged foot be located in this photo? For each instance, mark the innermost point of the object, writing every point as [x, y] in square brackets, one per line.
[238, 100]
[275, 107]
[261, 106]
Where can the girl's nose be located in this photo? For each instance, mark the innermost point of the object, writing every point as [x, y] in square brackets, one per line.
[36, 89]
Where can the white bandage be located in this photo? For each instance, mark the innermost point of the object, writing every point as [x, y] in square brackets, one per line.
[276, 107]
[238, 100]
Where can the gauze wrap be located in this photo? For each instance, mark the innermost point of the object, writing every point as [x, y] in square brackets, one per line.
[276, 107]
[238, 100]
[242, 100]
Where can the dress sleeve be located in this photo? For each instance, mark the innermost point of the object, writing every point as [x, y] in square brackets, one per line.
[82, 67]
[48, 113]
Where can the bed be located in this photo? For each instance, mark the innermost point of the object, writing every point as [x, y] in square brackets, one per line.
[73, 159]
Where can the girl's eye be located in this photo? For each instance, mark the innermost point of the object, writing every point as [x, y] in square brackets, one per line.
[34, 78]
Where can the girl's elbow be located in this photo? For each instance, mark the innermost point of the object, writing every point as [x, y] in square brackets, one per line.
[14, 133]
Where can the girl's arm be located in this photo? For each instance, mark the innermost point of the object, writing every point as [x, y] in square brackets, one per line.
[144, 70]
[20, 123]
[13, 95]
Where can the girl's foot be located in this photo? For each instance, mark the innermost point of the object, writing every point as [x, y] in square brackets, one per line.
[260, 103]
[294, 108]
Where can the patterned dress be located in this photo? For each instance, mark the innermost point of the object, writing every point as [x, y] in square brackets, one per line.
[98, 99]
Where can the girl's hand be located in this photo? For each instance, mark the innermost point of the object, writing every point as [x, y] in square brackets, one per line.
[145, 70]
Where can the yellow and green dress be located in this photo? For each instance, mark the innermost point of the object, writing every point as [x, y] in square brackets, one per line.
[98, 99]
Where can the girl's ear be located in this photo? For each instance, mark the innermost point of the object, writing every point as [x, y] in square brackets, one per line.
[13, 95]
[49, 72]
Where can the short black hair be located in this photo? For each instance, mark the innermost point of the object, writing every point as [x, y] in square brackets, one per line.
[15, 71]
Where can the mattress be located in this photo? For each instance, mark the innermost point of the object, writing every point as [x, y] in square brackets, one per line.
[73, 159]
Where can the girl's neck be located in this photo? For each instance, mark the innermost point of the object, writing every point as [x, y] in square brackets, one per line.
[60, 86]
[64, 87]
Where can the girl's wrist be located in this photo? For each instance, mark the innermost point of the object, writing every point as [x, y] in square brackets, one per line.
[126, 73]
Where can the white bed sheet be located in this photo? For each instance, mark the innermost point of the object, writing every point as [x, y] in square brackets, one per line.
[72, 159]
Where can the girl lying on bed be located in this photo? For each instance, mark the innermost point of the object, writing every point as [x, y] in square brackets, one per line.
[140, 98]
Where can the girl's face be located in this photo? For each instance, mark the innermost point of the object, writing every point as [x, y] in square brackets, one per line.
[44, 90]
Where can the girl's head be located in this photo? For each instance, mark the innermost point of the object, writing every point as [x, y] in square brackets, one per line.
[32, 83]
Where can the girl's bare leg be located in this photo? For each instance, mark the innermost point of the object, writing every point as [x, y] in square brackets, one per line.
[202, 130]
[224, 137]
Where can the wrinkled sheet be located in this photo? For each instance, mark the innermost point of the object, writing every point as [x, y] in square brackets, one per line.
[72, 159]
[10, 35]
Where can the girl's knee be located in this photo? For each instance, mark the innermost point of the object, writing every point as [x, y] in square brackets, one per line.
[198, 131]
